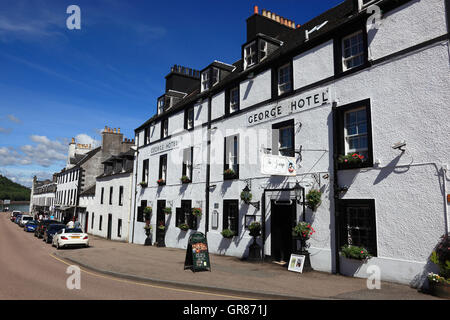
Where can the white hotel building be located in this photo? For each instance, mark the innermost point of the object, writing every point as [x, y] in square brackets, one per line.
[314, 92]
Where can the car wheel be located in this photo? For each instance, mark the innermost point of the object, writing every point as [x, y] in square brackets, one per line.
[57, 246]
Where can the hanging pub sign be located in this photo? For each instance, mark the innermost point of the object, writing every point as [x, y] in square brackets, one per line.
[197, 255]
[292, 105]
[278, 165]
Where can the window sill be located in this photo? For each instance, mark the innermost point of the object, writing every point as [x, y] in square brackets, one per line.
[344, 166]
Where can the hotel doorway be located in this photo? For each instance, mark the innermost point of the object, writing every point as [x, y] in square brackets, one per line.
[282, 220]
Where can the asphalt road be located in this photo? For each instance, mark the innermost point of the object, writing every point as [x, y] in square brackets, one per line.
[29, 271]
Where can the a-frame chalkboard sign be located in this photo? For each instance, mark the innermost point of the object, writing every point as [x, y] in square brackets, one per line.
[197, 255]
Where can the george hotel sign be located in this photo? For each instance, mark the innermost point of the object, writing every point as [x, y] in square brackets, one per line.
[164, 146]
[293, 105]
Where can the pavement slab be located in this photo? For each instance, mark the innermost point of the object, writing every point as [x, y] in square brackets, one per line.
[268, 280]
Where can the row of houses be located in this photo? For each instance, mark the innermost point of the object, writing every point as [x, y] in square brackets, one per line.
[351, 103]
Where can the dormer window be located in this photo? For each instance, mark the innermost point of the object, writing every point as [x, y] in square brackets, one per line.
[210, 78]
[250, 55]
[262, 49]
[161, 105]
[164, 128]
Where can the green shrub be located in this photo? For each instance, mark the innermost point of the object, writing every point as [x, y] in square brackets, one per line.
[314, 199]
[227, 233]
[255, 229]
[354, 252]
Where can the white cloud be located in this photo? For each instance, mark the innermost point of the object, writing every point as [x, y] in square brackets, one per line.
[13, 118]
[5, 130]
[86, 139]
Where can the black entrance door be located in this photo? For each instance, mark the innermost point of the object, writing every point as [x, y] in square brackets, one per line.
[109, 226]
[282, 220]
[160, 222]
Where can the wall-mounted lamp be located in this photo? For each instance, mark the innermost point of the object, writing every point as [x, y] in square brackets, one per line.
[298, 190]
[245, 194]
[399, 146]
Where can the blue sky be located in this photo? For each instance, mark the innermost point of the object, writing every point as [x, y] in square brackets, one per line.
[57, 83]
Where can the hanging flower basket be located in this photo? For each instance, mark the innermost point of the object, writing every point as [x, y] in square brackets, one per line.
[197, 212]
[246, 196]
[303, 231]
[314, 199]
[167, 210]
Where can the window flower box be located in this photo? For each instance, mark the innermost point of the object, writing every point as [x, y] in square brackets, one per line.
[167, 210]
[351, 161]
[353, 261]
[185, 179]
[143, 184]
[227, 233]
[229, 174]
[183, 227]
[161, 182]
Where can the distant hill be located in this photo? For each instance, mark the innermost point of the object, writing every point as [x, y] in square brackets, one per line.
[10, 190]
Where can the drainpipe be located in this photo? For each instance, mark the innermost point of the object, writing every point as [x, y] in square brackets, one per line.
[208, 167]
[135, 185]
[444, 173]
[335, 192]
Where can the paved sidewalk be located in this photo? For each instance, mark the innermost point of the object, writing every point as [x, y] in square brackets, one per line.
[229, 274]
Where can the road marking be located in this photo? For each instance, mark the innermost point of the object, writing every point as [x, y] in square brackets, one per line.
[150, 285]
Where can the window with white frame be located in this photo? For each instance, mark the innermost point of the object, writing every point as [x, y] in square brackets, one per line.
[355, 132]
[262, 49]
[205, 80]
[164, 128]
[232, 155]
[190, 118]
[234, 99]
[353, 51]
[188, 154]
[250, 55]
[284, 79]
[161, 105]
[215, 76]
[163, 168]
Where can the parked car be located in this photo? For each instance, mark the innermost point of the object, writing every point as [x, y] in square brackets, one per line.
[51, 230]
[70, 237]
[39, 232]
[30, 226]
[18, 218]
[24, 219]
[14, 215]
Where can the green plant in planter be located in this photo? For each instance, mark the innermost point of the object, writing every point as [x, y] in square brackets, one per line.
[143, 184]
[184, 227]
[167, 210]
[185, 179]
[351, 158]
[229, 174]
[161, 182]
[441, 256]
[148, 227]
[227, 233]
[255, 229]
[303, 230]
[162, 227]
[355, 252]
[147, 213]
[197, 212]
[246, 196]
[314, 199]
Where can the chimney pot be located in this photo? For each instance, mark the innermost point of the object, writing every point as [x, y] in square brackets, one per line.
[298, 26]
[293, 25]
[118, 130]
[277, 18]
[264, 12]
[273, 16]
[256, 10]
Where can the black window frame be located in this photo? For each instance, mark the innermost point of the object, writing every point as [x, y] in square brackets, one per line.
[119, 228]
[145, 170]
[184, 215]
[342, 205]
[140, 211]
[120, 195]
[344, 32]
[275, 143]
[228, 100]
[184, 166]
[163, 121]
[161, 158]
[228, 205]
[226, 165]
[146, 135]
[111, 192]
[102, 195]
[100, 222]
[186, 118]
[339, 134]
[275, 69]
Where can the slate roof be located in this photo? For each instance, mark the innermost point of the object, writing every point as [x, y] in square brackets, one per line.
[294, 40]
